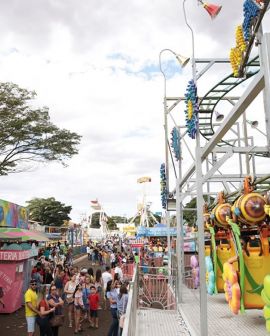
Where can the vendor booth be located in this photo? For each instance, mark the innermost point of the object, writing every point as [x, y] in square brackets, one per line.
[159, 235]
[16, 263]
[130, 230]
[15, 274]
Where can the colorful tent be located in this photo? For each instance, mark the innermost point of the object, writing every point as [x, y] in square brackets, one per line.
[17, 234]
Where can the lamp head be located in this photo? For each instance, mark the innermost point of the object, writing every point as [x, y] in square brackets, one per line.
[219, 116]
[213, 10]
[182, 60]
[253, 123]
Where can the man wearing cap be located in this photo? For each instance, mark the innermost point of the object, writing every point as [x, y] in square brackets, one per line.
[31, 311]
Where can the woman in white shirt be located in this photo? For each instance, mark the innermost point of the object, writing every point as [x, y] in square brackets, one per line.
[69, 291]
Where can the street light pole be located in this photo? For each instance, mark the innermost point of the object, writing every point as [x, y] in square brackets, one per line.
[165, 110]
[200, 223]
[179, 215]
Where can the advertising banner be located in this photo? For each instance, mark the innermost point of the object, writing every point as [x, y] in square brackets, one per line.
[13, 215]
[155, 231]
[17, 255]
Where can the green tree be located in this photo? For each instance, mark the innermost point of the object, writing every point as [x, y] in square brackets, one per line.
[111, 223]
[95, 220]
[190, 216]
[119, 219]
[48, 211]
[27, 134]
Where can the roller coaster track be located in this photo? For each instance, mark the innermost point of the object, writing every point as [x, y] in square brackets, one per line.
[211, 99]
[247, 69]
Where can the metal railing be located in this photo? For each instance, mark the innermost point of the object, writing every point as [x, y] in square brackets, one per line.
[156, 288]
[131, 313]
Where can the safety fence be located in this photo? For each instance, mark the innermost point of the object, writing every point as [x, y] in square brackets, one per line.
[157, 288]
[131, 313]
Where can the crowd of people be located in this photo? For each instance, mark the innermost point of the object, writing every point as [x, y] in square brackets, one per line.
[57, 285]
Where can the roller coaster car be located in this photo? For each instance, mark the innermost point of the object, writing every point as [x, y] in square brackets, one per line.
[221, 211]
[257, 266]
[249, 208]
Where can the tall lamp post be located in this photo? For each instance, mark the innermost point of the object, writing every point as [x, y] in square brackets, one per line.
[182, 61]
[213, 10]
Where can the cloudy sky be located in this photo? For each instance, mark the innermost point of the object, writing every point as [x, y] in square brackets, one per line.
[95, 64]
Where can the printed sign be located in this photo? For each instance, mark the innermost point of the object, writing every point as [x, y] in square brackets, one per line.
[13, 215]
[155, 232]
[17, 255]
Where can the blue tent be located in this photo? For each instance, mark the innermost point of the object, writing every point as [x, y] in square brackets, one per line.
[143, 231]
[159, 225]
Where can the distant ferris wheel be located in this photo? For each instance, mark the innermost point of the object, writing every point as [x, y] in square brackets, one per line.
[143, 207]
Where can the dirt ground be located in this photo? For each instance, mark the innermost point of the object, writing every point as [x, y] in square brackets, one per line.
[15, 324]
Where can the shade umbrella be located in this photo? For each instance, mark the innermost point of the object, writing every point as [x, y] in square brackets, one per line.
[17, 234]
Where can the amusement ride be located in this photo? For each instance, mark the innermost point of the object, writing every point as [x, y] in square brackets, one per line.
[232, 155]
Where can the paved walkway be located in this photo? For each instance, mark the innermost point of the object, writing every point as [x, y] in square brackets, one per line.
[221, 321]
[15, 324]
[156, 322]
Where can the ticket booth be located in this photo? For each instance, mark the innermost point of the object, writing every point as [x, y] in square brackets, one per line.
[14, 274]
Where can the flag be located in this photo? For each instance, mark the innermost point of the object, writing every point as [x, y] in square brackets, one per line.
[95, 205]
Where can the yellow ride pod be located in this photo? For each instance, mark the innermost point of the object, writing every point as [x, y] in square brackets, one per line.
[224, 253]
[249, 208]
[257, 266]
[231, 287]
[207, 250]
[266, 298]
[219, 214]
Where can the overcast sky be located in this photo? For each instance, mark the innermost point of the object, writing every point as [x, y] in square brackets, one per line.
[95, 64]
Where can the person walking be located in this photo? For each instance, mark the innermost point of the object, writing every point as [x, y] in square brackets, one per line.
[122, 301]
[112, 260]
[93, 303]
[98, 284]
[56, 302]
[31, 309]
[78, 307]
[111, 293]
[119, 271]
[88, 251]
[86, 289]
[106, 277]
[69, 291]
[43, 320]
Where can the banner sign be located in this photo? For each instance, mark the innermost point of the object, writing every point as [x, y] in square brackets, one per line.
[17, 255]
[155, 231]
[136, 245]
[13, 215]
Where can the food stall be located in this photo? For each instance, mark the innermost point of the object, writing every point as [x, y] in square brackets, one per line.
[16, 263]
[15, 273]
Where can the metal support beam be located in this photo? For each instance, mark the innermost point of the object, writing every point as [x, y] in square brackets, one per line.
[254, 88]
[217, 165]
[242, 150]
[265, 59]
[248, 96]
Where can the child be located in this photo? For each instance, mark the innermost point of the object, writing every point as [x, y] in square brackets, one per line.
[93, 303]
[78, 306]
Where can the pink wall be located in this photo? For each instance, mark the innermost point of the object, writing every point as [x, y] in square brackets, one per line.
[11, 280]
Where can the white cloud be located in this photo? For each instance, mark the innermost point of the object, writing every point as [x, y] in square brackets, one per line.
[85, 59]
